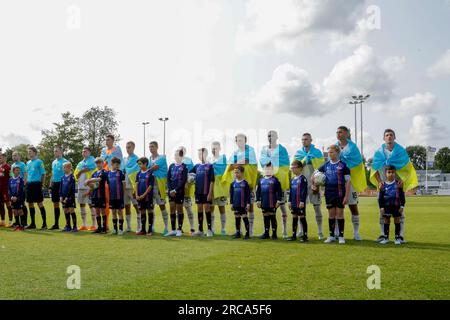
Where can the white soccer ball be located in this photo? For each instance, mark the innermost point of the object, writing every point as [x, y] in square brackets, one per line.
[191, 178]
[94, 185]
[319, 178]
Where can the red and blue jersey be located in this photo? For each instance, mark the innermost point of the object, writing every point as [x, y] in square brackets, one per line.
[239, 194]
[204, 176]
[100, 191]
[337, 174]
[67, 187]
[16, 189]
[177, 177]
[115, 183]
[268, 192]
[298, 191]
[391, 194]
[144, 180]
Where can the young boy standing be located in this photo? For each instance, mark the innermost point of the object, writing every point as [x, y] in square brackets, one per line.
[176, 181]
[204, 190]
[240, 201]
[268, 198]
[17, 196]
[297, 200]
[97, 192]
[117, 184]
[144, 196]
[67, 197]
[337, 191]
[391, 200]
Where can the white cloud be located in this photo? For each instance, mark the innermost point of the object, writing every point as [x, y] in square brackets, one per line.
[426, 130]
[289, 91]
[13, 139]
[420, 103]
[440, 67]
[280, 23]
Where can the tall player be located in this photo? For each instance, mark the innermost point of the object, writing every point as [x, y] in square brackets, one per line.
[131, 168]
[55, 180]
[189, 191]
[351, 156]
[36, 177]
[277, 155]
[219, 162]
[312, 159]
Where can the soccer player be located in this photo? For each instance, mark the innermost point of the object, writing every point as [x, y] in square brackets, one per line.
[337, 191]
[36, 177]
[204, 191]
[5, 171]
[391, 200]
[55, 180]
[67, 197]
[144, 196]
[392, 153]
[240, 201]
[17, 196]
[219, 162]
[312, 159]
[83, 172]
[131, 168]
[277, 155]
[97, 193]
[189, 191]
[351, 156]
[24, 175]
[176, 182]
[116, 183]
[158, 167]
[268, 197]
[297, 200]
[244, 155]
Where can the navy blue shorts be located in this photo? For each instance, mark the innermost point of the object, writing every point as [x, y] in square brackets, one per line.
[17, 205]
[178, 199]
[269, 210]
[145, 205]
[334, 201]
[392, 211]
[69, 204]
[116, 204]
[298, 211]
[202, 199]
[98, 203]
[240, 211]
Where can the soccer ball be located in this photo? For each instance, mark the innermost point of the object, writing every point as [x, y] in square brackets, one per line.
[319, 178]
[94, 185]
[191, 178]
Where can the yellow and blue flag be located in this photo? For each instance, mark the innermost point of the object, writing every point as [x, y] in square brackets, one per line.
[279, 158]
[313, 157]
[131, 168]
[351, 156]
[189, 189]
[89, 164]
[220, 186]
[246, 158]
[160, 174]
[399, 158]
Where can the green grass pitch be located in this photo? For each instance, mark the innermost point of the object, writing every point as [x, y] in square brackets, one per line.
[34, 263]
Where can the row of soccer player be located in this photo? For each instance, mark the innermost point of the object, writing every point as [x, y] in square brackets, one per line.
[144, 183]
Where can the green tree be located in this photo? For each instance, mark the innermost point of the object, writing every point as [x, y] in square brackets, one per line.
[442, 160]
[21, 149]
[418, 156]
[66, 134]
[95, 124]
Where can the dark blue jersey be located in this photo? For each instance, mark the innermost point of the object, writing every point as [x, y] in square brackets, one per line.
[298, 191]
[67, 187]
[337, 175]
[144, 180]
[177, 177]
[16, 189]
[268, 192]
[115, 182]
[204, 176]
[239, 194]
[391, 194]
[100, 191]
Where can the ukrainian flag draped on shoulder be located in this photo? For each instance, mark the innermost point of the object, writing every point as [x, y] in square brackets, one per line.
[189, 189]
[246, 158]
[279, 158]
[131, 168]
[220, 186]
[313, 157]
[160, 175]
[351, 156]
[399, 158]
[89, 164]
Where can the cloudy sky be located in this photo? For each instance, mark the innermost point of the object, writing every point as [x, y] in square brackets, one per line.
[220, 67]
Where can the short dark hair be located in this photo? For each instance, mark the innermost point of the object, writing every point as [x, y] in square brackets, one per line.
[180, 152]
[32, 148]
[143, 160]
[389, 168]
[203, 150]
[87, 148]
[16, 167]
[307, 134]
[131, 143]
[297, 163]
[268, 164]
[155, 143]
[240, 168]
[344, 128]
[111, 136]
[389, 131]
[115, 160]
